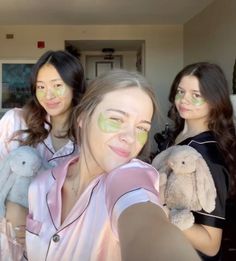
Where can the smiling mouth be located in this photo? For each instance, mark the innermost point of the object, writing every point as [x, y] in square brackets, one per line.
[183, 109]
[120, 152]
[52, 105]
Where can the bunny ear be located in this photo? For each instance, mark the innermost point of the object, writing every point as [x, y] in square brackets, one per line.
[160, 161]
[206, 190]
[5, 171]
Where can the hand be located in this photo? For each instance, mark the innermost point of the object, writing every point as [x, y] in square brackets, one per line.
[20, 234]
[10, 247]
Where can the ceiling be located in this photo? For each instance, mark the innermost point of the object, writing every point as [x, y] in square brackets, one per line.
[99, 12]
[98, 45]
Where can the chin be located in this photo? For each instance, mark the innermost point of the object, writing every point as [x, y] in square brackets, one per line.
[115, 166]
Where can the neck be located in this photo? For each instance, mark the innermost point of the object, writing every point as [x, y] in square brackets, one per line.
[86, 171]
[60, 123]
[194, 127]
[191, 129]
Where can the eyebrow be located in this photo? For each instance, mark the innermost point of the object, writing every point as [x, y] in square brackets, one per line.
[179, 87]
[53, 80]
[126, 114]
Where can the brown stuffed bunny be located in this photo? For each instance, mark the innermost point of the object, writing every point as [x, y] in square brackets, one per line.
[185, 184]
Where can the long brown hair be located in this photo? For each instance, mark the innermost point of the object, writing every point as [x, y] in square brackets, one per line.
[72, 73]
[214, 88]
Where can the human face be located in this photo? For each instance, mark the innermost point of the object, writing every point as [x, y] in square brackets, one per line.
[189, 101]
[52, 93]
[119, 128]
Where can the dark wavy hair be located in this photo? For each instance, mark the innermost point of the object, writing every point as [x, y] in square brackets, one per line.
[214, 88]
[72, 73]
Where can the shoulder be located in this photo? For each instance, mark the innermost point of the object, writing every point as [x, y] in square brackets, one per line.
[11, 122]
[206, 144]
[14, 115]
[130, 177]
[51, 175]
[134, 172]
[16, 112]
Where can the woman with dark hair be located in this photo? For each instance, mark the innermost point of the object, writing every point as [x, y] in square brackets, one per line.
[57, 84]
[203, 117]
[103, 204]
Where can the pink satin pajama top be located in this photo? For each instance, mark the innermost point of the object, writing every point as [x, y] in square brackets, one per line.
[89, 232]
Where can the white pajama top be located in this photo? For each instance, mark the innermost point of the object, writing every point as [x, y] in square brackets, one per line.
[13, 121]
[89, 232]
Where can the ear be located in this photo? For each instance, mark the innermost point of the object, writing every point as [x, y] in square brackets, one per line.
[206, 190]
[80, 120]
[160, 161]
[5, 170]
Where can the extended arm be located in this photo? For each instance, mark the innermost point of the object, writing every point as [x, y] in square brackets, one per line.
[204, 238]
[146, 234]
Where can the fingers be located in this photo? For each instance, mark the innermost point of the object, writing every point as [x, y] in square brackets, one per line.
[20, 234]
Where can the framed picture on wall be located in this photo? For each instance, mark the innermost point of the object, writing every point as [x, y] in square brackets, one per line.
[14, 83]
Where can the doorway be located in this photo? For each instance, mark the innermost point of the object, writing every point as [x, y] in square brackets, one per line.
[126, 54]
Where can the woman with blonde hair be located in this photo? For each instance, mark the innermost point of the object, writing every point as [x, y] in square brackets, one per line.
[104, 203]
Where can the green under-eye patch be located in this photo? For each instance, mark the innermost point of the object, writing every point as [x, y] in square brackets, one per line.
[178, 96]
[40, 94]
[195, 101]
[56, 91]
[108, 125]
[142, 137]
[59, 91]
[198, 101]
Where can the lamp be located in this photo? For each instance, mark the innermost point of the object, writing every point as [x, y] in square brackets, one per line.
[108, 53]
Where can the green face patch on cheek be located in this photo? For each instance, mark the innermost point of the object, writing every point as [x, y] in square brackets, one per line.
[40, 94]
[55, 91]
[108, 125]
[198, 101]
[59, 92]
[178, 96]
[142, 137]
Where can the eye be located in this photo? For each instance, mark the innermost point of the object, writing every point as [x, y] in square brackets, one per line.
[141, 128]
[58, 85]
[197, 95]
[180, 91]
[23, 162]
[183, 162]
[116, 119]
[40, 87]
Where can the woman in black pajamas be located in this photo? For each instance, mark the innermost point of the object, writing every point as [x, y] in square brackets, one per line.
[203, 117]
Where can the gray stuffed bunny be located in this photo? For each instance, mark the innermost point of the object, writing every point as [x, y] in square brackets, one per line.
[185, 184]
[16, 172]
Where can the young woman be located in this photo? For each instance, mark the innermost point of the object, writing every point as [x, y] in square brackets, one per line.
[203, 117]
[57, 84]
[103, 205]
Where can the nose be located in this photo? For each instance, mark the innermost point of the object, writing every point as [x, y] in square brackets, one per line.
[186, 98]
[128, 135]
[49, 93]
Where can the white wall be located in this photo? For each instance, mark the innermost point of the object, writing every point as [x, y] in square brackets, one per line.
[211, 36]
[163, 48]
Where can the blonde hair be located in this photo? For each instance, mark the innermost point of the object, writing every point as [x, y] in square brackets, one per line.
[106, 83]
